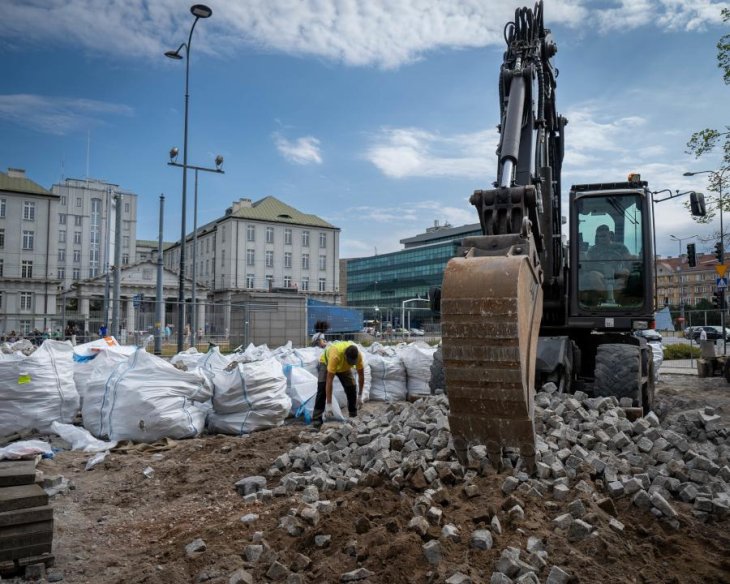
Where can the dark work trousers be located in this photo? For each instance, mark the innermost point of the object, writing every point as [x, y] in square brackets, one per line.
[348, 383]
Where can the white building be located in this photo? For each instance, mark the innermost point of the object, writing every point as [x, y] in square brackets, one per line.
[28, 254]
[85, 228]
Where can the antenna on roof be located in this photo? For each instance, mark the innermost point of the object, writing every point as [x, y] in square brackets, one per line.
[376, 250]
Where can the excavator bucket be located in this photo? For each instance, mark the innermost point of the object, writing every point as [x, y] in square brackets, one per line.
[490, 318]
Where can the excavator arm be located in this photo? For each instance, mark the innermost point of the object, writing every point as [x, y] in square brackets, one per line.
[492, 296]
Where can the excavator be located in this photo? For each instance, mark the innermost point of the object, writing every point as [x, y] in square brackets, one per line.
[525, 303]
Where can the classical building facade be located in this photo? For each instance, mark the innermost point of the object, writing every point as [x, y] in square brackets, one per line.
[28, 252]
[678, 283]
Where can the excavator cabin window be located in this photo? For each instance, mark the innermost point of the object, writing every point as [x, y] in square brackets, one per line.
[610, 256]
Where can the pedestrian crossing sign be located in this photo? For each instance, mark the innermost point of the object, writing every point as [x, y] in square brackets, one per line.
[721, 283]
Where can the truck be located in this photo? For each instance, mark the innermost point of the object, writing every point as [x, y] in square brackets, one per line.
[532, 301]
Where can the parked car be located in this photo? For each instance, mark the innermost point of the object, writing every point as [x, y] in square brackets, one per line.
[713, 332]
[650, 335]
[416, 332]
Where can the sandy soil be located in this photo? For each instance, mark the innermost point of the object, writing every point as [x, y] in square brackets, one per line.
[118, 526]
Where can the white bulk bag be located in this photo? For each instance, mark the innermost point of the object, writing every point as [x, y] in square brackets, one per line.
[388, 378]
[302, 389]
[38, 389]
[145, 399]
[417, 357]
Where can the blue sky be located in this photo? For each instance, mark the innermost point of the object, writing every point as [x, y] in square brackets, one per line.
[377, 115]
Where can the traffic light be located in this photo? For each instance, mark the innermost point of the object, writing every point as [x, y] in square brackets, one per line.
[718, 299]
[697, 204]
[719, 252]
[691, 255]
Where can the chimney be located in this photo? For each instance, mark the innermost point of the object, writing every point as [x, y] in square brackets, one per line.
[240, 204]
[16, 172]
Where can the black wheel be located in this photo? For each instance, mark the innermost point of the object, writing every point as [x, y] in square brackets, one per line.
[618, 372]
[437, 383]
[648, 390]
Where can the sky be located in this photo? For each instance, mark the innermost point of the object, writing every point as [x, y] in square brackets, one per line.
[377, 115]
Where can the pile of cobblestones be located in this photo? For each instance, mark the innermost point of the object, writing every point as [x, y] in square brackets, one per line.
[590, 454]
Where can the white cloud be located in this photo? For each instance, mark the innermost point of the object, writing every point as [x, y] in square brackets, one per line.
[382, 33]
[413, 152]
[304, 150]
[57, 115]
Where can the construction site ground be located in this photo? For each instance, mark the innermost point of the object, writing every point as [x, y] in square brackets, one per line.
[122, 523]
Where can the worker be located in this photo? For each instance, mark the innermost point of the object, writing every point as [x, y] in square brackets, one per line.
[318, 340]
[604, 263]
[703, 334]
[338, 359]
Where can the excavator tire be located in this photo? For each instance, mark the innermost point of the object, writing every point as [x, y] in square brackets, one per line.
[491, 308]
[618, 372]
[437, 383]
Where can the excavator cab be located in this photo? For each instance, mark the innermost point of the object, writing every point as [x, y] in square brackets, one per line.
[612, 280]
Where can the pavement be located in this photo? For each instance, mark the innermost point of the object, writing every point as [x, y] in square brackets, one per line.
[679, 367]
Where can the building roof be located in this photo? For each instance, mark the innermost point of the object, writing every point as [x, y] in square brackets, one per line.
[152, 243]
[705, 262]
[21, 184]
[438, 234]
[272, 209]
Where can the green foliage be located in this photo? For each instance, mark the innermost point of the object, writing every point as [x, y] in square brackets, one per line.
[680, 351]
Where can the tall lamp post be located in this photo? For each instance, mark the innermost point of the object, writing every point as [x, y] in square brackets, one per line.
[681, 285]
[720, 176]
[219, 170]
[198, 11]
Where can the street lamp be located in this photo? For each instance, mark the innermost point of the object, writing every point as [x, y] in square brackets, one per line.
[219, 170]
[198, 11]
[719, 175]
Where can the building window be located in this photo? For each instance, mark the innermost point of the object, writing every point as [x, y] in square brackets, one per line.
[77, 237]
[287, 236]
[269, 259]
[2, 207]
[63, 200]
[287, 259]
[61, 255]
[223, 233]
[1, 299]
[250, 233]
[305, 283]
[78, 201]
[1, 267]
[250, 257]
[223, 258]
[126, 207]
[305, 238]
[28, 237]
[322, 240]
[269, 235]
[2, 238]
[29, 210]
[126, 225]
[95, 238]
[207, 245]
[125, 259]
[61, 273]
[249, 280]
[78, 220]
[24, 327]
[94, 272]
[125, 241]
[323, 262]
[287, 281]
[26, 301]
[269, 281]
[77, 256]
[62, 218]
[61, 237]
[76, 273]
[305, 261]
[322, 284]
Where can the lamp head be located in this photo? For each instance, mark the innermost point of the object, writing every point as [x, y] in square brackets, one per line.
[174, 54]
[688, 174]
[173, 153]
[200, 11]
[218, 162]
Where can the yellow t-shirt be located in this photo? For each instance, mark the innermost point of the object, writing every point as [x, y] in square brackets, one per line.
[334, 357]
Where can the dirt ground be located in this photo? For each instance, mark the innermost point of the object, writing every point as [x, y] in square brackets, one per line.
[118, 526]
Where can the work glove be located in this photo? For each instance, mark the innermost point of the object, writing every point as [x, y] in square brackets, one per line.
[328, 413]
[359, 401]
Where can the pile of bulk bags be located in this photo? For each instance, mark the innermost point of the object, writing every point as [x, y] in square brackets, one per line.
[417, 358]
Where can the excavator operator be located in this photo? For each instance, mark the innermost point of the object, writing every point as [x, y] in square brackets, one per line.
[607, 269]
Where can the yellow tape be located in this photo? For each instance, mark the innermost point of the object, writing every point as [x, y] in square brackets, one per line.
[22, 379]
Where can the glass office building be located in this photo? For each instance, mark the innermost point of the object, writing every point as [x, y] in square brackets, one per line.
[385, 281]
